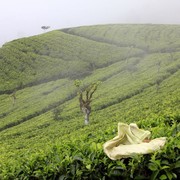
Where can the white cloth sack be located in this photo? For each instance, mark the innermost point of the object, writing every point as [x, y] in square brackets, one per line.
[130, 141]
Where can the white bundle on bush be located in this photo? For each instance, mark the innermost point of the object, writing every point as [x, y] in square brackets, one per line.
[131, 140]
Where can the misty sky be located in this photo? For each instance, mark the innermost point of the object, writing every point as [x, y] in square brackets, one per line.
[22, 18]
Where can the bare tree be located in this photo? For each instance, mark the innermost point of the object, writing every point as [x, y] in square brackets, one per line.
[85, 98]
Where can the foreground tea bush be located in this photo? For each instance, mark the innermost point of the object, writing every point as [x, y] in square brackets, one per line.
[83, 158]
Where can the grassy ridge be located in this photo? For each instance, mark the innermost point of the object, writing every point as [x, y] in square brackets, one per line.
[42, 134]
[150, 38]
[52, 56]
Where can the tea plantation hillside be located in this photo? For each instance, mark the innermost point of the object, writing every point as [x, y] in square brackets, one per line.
[42, 131]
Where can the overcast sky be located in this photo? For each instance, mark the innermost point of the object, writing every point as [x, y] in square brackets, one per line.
[22, 18]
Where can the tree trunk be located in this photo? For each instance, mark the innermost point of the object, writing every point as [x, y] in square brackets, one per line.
[86, 119]
[86, 115]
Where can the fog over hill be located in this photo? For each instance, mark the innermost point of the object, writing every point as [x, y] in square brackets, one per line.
[19, 18]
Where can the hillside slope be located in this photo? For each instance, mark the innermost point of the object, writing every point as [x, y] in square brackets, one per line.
[138, 66]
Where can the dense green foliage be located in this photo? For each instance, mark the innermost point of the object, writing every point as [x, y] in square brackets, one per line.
[42, 131]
